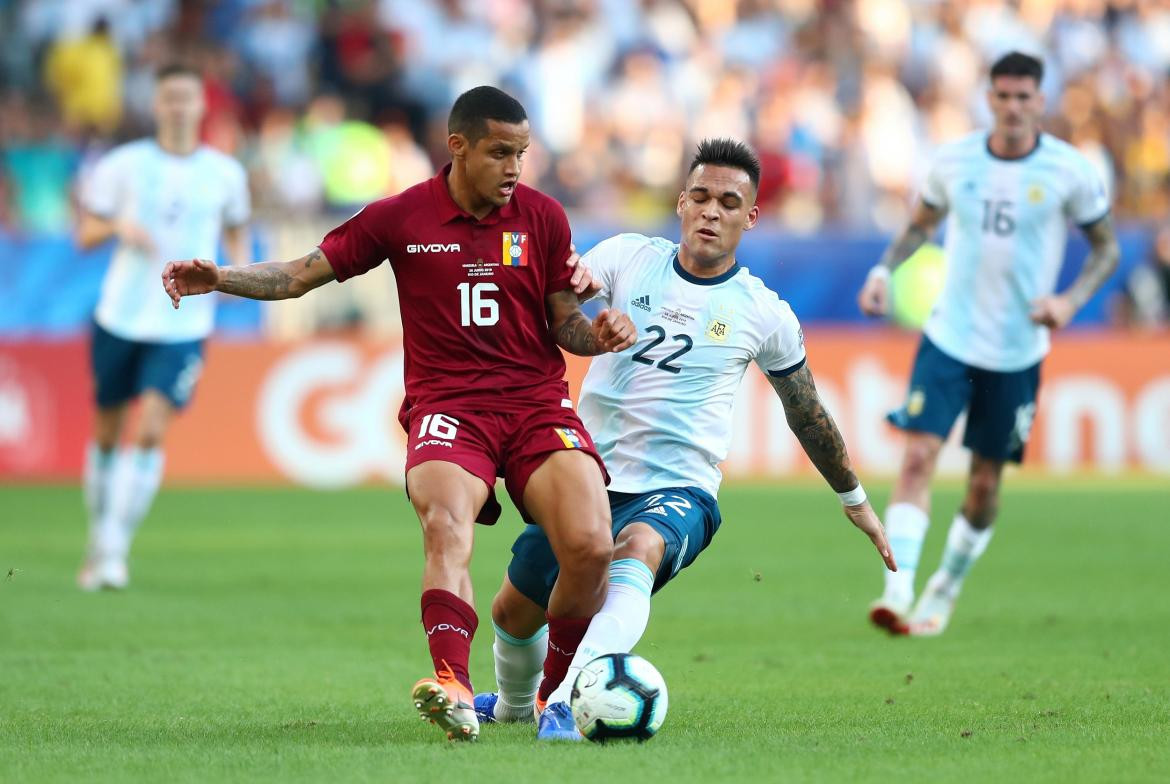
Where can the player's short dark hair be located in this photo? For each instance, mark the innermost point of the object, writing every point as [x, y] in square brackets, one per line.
[472, 110]
[1018, 64]
[728, 152]
[177, 69]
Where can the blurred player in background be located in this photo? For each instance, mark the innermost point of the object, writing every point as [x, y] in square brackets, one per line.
[662, 419]
[487, 297]
[1009, 196]
[158, 199]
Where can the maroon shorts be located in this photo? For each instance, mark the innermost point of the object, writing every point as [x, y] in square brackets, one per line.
[489, 444]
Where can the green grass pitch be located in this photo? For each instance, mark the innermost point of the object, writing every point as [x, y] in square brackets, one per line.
[274, 635]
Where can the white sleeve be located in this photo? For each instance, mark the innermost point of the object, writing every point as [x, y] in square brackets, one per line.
[604, 260]
[934, 187]
[1088, 201]
[782, 352]
[238, 208]
[101, 193]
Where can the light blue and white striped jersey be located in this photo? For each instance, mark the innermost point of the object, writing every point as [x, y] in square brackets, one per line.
[1006, 229]
[183, 202]
[660, 411]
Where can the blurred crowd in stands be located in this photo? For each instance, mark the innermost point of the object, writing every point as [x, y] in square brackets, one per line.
[332, 103]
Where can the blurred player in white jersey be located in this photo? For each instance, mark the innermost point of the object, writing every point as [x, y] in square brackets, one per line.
[1008, 196]
[661, 418]
[159, 198]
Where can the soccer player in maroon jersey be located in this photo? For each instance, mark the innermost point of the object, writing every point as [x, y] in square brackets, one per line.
[487, 296]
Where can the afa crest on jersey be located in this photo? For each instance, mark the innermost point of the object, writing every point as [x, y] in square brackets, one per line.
[718, 329]
[515, 249]
[569, 437]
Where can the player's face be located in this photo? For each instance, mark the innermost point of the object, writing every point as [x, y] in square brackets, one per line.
[717, 206]
[1018, 105]
[178, 103]
[493, 164]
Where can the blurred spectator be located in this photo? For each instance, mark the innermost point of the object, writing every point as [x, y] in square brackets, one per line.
[85, 76]
[38, 164]
[1146, 301]
[845, 101]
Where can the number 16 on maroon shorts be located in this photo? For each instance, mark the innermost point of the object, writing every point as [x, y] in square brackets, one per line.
[489, 444]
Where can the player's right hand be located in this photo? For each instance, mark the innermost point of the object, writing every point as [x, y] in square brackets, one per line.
[186, 278]
[583, 283]
[130, 233]
[874, 299]
[615, 330]
[864, 518]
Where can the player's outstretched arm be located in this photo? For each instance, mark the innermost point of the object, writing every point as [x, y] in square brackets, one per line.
[268, 280]
[93, 230]
[874, 299]
[814, 427]
[611, 331]
[1104, 254]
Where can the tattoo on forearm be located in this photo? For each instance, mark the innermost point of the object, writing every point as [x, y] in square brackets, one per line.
[903, 248]
[1100, 263]
[258, 281]
[814, 427]
[576, 336]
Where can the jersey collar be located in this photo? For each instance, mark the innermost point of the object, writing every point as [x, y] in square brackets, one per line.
[689, 278]
[1024, 157]
[448, 210]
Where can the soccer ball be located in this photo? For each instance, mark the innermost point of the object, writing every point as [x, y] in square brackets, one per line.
[619, 695]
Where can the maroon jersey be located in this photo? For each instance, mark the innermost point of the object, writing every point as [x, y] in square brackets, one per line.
[472, 293]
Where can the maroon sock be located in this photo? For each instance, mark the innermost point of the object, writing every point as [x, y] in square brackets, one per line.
[564, 635]
[450, 625]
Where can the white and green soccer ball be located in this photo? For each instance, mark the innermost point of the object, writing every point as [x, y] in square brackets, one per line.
[619, 695]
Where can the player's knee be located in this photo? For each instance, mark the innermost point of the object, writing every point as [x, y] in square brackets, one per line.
[443, 531]
[920, 460]
[588, 555]
[646, 546]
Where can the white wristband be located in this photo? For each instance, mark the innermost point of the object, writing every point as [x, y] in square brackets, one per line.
[854, 497]
[878, 271]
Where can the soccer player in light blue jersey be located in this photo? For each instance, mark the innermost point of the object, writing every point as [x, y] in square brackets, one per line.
[1008, 197]
[159, 198]
[661, 418]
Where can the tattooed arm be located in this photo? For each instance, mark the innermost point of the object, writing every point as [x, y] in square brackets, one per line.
[813, 426]
[269, 280]
[874, 297]
[612, 330]
[1104, 253]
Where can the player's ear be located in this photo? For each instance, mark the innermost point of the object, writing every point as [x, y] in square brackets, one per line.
[753, 217]
[457, 145]
[682, 198]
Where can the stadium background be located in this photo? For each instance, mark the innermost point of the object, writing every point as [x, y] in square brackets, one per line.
[332, 104]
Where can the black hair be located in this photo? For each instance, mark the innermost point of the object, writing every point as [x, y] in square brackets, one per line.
[475, 107]
[730, 153]
[177, 69]
[1018, 64]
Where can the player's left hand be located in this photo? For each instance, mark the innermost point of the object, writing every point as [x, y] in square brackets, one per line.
[584, 286]
[1054, 311]
[864, 518]
[615, 331]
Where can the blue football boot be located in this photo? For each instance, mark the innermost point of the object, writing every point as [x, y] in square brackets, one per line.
[485, 707]
[556, 723]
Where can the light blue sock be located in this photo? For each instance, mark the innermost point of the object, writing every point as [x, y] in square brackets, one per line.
[619, 623]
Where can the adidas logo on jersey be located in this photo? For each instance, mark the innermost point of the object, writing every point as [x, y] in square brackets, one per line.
[642, 302]
[658, 510]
